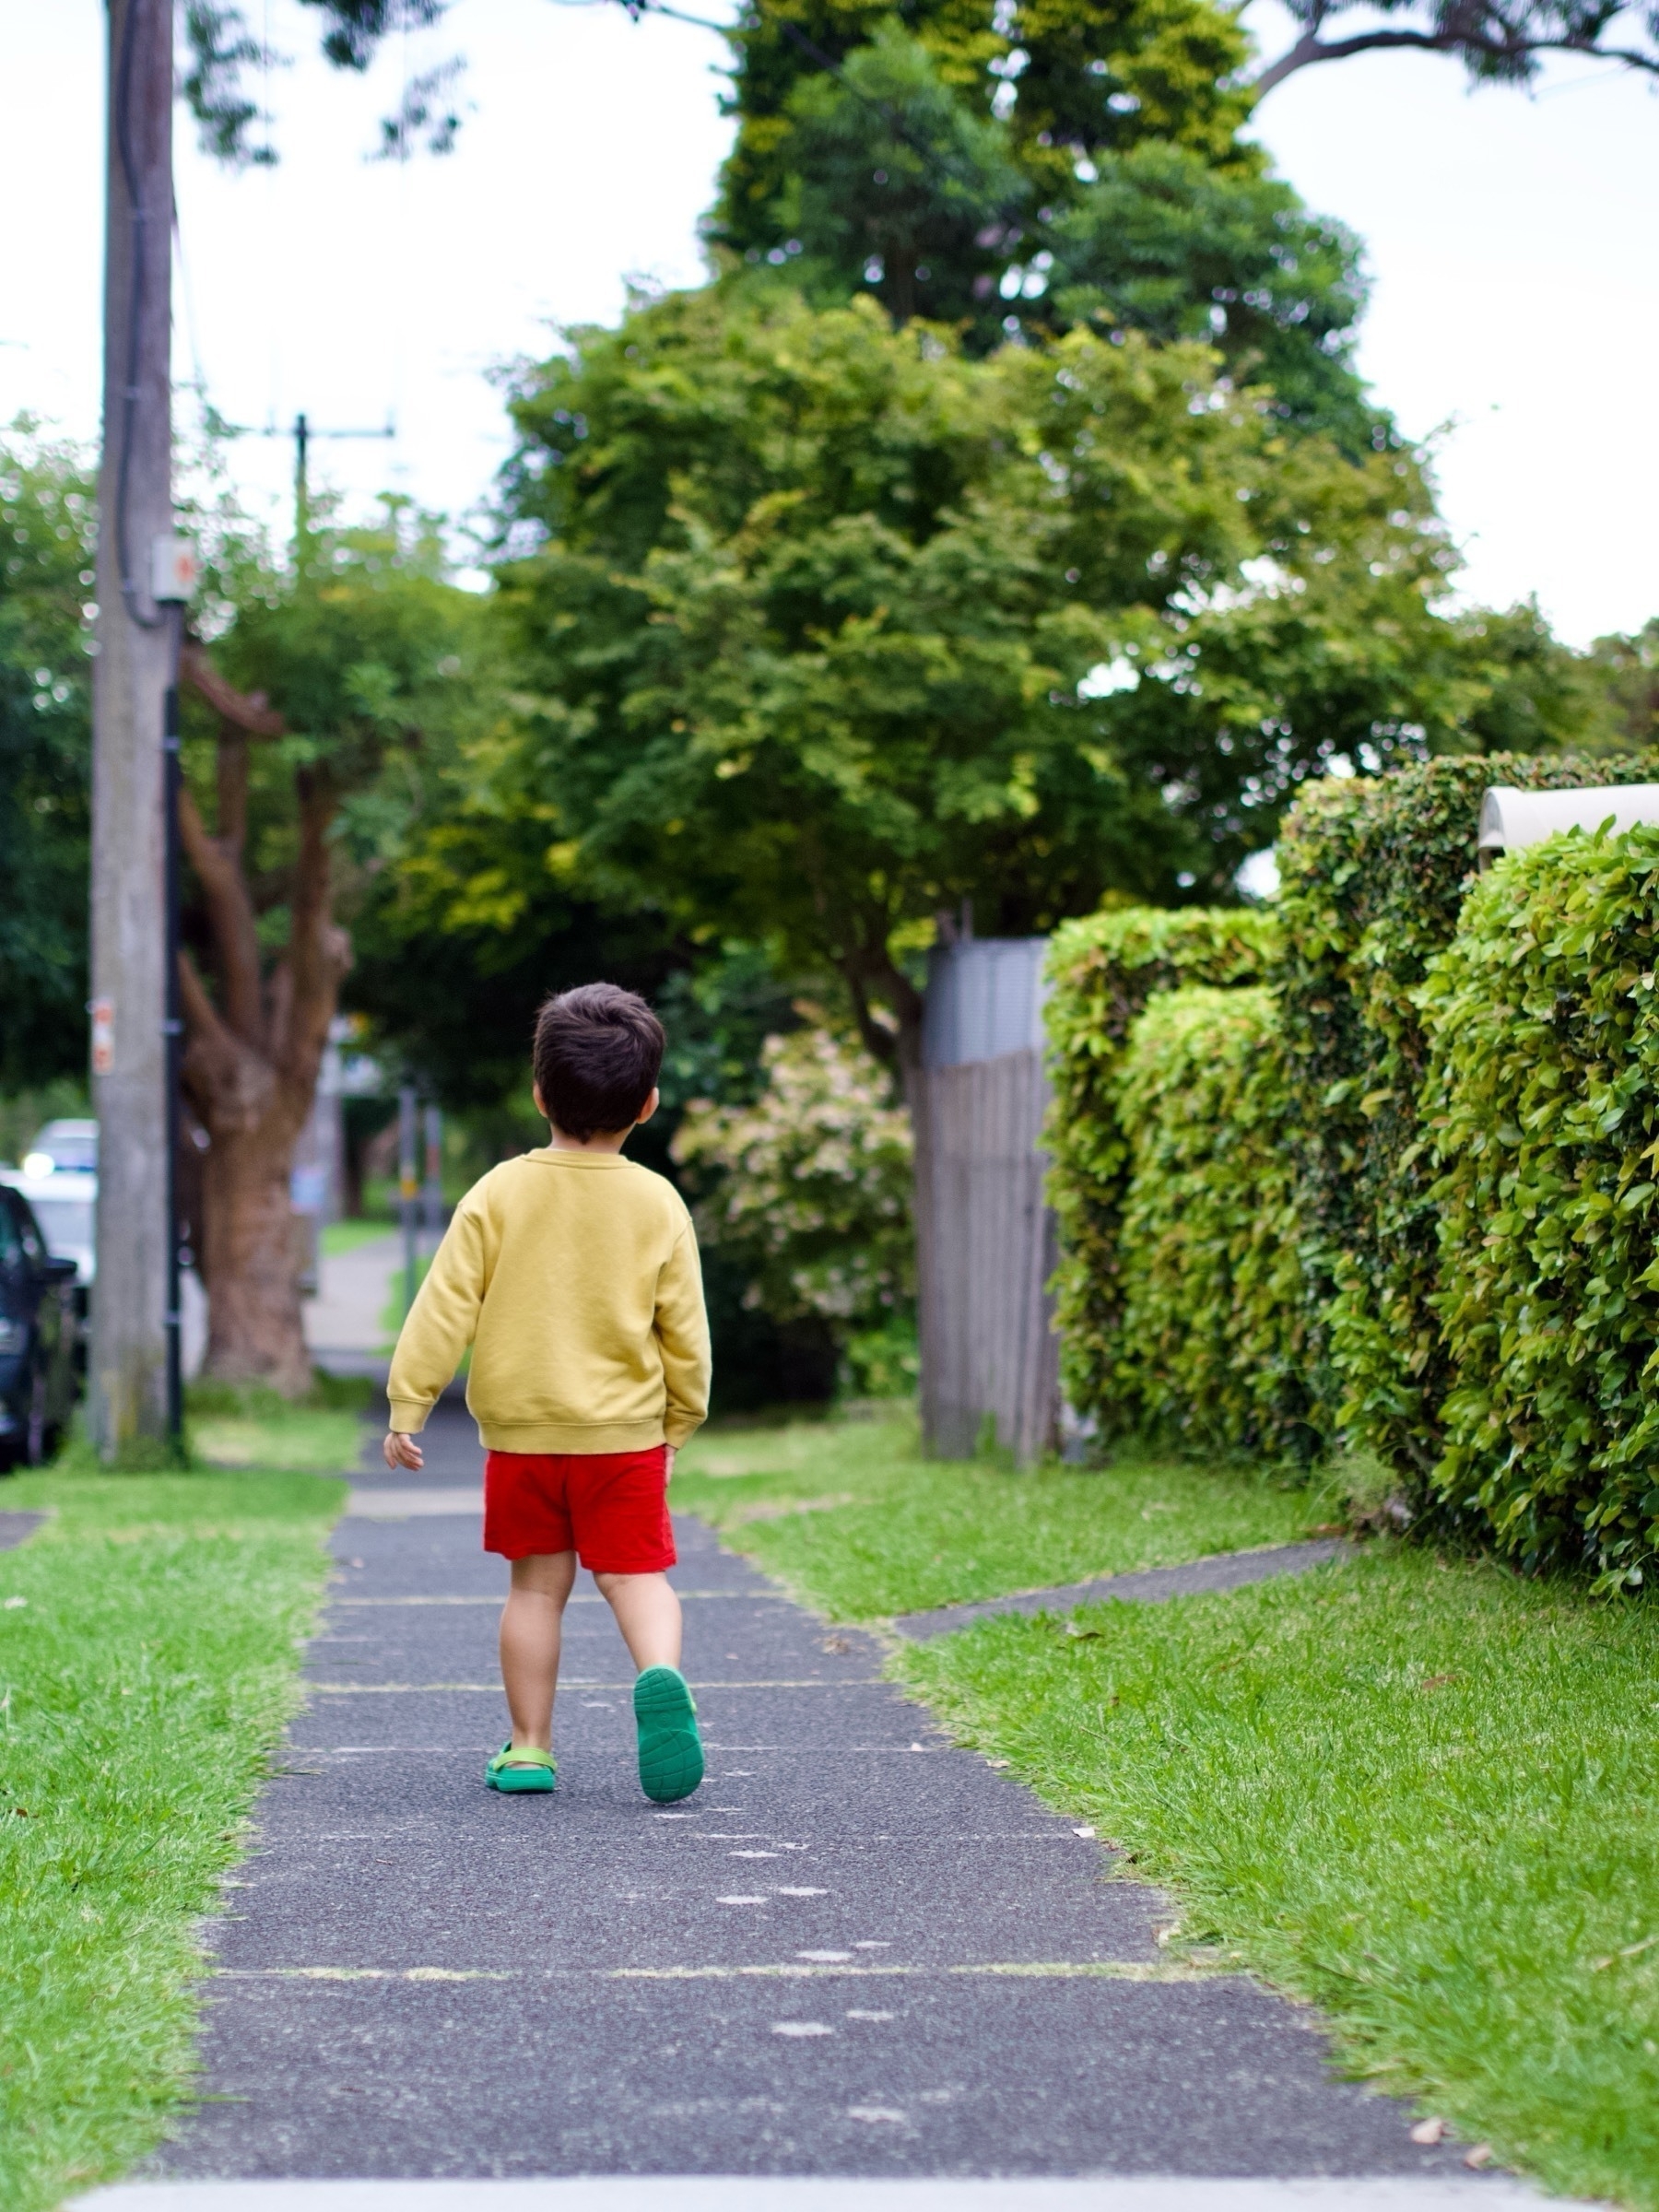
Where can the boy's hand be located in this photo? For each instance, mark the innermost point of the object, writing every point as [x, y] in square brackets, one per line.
[401, 1451]
[668, 1451]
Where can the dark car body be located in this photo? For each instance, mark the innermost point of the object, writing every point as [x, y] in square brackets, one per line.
[38, 1333]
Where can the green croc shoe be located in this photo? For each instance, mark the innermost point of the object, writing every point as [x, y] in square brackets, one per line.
[522, 1769]
[671, 1756]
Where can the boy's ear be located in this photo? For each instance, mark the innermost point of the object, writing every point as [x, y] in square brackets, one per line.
[541, 1104]
[650, 1107]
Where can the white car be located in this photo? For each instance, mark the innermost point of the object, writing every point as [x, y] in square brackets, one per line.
[59, 1178]
[66, 1144]
[63, 1202]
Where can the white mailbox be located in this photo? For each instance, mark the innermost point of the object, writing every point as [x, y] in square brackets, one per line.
[1511, 819]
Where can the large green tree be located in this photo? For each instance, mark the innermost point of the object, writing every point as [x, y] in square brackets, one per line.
[835, 628]
[46, 735]
[1171, 69]
[1071, 79]
[341, 676]
[894, 184]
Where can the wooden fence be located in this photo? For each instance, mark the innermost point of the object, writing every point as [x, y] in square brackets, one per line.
[986, 1243]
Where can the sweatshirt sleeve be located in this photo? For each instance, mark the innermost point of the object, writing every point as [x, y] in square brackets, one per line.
[682, 1330]
[442, 1323]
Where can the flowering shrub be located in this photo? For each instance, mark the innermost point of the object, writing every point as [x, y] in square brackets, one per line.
[809, 1189]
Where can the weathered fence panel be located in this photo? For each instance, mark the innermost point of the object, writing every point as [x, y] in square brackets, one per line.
[987, 1244]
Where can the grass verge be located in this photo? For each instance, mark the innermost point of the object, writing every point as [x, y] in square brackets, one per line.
[1420, 1792]
[338, 1237]
[244, 1425]
[395, 1311]
[849, 1513]
[1417, 1790]
[149, 1639]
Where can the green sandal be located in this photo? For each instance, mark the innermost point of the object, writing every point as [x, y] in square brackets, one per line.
[521, 1770]
[671, 1756]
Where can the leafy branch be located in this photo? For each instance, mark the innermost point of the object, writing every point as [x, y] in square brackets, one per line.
[1497, 43]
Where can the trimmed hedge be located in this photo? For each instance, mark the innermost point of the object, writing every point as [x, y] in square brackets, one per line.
[1212, 1340]
[1543, 1098]
[1373, 873]
[1103, 969]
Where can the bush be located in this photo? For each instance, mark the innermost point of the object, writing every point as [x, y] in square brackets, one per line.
[1543, 1099]
[808, 1189]
[1212, 1336]
[1373, 873]
[1103, 970]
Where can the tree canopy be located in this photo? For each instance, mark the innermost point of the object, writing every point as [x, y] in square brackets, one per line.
[1069, 79]
[330, 672]
[1498, 42]
[896, 185]
[1080, 74]
[833, 627]
[46, 521]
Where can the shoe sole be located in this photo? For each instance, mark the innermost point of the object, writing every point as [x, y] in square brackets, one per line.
[523, 1781]
[671, 1755]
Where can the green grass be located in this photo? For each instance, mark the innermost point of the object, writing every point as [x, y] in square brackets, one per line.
[243, 1425]
[394, 1313]
[1421, 1793]
[849, 1513]
[1417, 1790]
[149, 1647]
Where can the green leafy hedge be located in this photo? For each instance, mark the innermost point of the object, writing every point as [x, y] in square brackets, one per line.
[1103, 969]
[1542, 1097]
[1212, 1343]
[1373, 873]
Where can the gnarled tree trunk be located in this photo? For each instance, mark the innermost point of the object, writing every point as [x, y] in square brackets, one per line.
[252, 1052]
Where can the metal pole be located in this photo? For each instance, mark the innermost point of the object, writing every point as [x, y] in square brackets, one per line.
[408, 1185]
[172, 778]
[301, 487]
[433, 1194]
[134, 668]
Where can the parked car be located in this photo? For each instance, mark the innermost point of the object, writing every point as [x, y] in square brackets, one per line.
[71, 1145]
[40, 1334]
[64, 1205]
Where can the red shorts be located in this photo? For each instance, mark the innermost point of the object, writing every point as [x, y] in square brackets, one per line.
[610, 1508]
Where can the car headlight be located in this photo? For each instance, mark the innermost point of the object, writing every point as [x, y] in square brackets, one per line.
[14, 1335]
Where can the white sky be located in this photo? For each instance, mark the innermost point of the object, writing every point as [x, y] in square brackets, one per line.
[1513, 244]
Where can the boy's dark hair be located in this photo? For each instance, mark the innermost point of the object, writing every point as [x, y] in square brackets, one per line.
[597, 1051]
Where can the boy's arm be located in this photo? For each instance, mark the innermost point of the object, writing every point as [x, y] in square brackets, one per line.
[441, 1324]
[682, 1328]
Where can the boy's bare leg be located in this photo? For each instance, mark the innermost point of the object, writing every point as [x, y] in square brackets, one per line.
[648, 1613]
[531, 1621]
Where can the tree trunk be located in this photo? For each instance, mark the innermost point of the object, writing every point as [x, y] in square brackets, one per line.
[249, 1258]
[251, 1057]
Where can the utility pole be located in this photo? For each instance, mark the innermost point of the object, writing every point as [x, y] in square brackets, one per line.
[133, 672]
[302, 433]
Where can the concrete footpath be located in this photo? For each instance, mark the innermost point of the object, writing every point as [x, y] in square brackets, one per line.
[857, 1957]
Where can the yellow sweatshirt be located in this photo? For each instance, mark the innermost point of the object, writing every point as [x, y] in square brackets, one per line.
[575, 1278]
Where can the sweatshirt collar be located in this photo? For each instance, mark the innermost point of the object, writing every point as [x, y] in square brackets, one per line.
[557, 1155]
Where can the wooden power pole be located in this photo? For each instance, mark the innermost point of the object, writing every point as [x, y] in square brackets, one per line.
[133, 677]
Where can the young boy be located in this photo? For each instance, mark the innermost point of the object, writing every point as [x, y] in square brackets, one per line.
[573, 1274]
